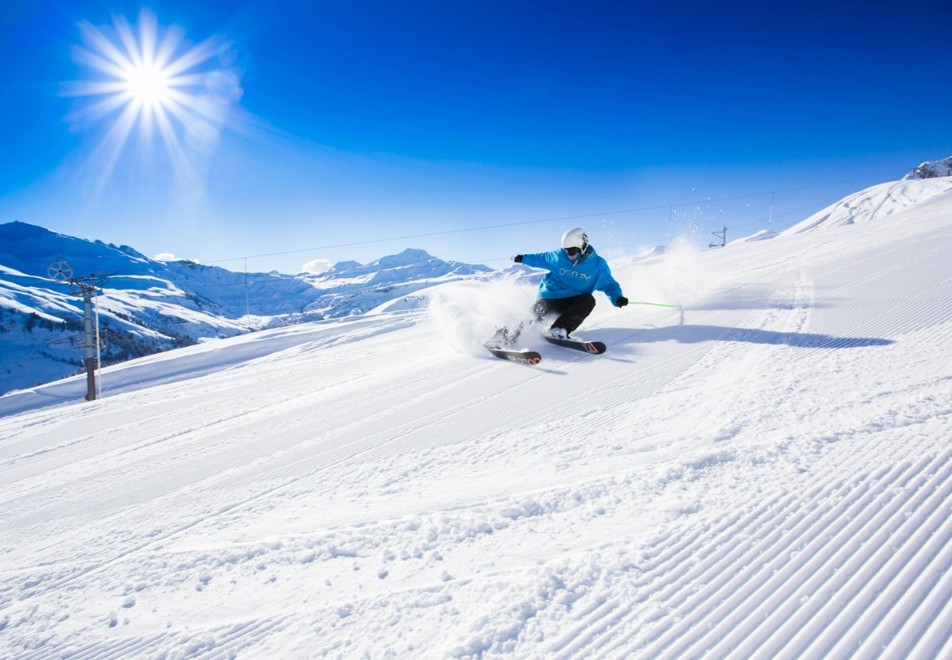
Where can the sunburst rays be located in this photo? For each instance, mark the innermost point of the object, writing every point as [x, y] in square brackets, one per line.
[150, 81]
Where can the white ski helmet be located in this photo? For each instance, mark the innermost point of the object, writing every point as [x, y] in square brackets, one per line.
[575, 238]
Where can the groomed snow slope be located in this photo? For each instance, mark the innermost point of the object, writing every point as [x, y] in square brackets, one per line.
[768, 476]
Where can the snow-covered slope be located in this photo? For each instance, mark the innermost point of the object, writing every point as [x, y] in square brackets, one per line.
[762, 235]
[877, 202]
[767, 476]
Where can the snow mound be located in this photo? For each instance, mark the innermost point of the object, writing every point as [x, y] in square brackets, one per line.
[874, 203]
[762, 235]
[651, 253]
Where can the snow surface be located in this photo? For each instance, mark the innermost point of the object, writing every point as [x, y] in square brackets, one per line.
[767, 475]
[876, 202]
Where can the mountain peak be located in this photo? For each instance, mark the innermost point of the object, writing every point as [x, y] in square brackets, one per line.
[399, 266]
[408, 257]
[931, 169]
[17, 231]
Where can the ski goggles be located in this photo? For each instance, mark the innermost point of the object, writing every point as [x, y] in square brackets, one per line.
[572, 251]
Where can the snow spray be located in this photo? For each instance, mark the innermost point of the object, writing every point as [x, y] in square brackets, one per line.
[469, 313]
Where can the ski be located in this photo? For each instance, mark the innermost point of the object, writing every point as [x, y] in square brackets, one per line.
[595, 347]
[522, 356]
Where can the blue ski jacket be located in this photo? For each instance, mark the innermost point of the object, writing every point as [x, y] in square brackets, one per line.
[568, 278]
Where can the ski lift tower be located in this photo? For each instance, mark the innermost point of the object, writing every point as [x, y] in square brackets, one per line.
[721, 235]
[61, 271]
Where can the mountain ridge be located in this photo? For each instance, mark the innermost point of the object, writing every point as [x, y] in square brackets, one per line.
[147, 306]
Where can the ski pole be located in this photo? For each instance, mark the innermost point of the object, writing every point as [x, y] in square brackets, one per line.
[654, 304]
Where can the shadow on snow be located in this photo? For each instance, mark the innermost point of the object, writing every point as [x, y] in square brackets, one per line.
[694, 334]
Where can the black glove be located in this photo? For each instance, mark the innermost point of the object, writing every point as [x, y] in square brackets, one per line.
[621, 302]
[517, 258]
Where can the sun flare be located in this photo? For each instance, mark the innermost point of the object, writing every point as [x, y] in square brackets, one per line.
[151, 79]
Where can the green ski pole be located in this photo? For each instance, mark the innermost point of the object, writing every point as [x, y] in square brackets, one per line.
[656, 304]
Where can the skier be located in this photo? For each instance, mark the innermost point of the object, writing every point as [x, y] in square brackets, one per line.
[575, 271]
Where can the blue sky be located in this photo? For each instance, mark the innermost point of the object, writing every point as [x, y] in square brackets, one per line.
[472, 130]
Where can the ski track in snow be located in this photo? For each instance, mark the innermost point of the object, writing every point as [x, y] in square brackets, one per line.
[770, 478]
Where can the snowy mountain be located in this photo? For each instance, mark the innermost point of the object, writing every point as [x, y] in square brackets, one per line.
[767, 475]
[932, 169]
[148, 306]
[353, 288]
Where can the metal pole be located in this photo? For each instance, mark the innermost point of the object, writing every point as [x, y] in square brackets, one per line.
[722, 236]
[98, 350]
[89, 343]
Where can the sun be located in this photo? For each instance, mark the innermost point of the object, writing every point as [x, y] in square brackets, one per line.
[152, 80]
[148, 85]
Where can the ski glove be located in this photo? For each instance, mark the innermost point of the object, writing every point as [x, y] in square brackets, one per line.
[621, 301]
[517, 258]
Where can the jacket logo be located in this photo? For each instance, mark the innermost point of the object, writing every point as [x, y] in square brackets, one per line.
[574, 273]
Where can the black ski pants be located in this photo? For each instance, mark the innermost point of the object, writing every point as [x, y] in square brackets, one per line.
[571, 311]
